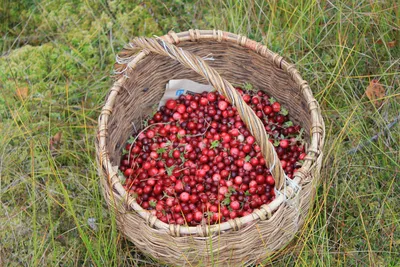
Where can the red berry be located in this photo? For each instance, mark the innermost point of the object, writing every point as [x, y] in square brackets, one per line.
[157, 190]
[194, 105]
[193, 199]
[216, 217]
[171, 104]
[150, 134]
[222, 105]
[147, 189]
[284, 143]
[234, 132]
[253, 184]
[176, 154]
[226, 138]
[216, 177]
[235, 205]
[240, 162]
[198, 216]
[153, 171]
[181, 108]
[280, 120]
[184, 197]
[228, 183]
[238, 180]
[254, 162]
[128, 172]
[223, 190]
[177, 116]
[234, 151]
[270, 180]
[179, 186]
[201, 173]
[255, 100]
[203, 101]
[211, 97]
[283, 163]
[260, 179]
[246, 98]
[276, 107]
[250, 140]
[247, 166]
[246, 148]
[268, 110]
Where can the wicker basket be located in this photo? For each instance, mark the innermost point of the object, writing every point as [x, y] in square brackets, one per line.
[144, 68]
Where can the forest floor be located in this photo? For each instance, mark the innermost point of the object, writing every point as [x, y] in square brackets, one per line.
[55, 70]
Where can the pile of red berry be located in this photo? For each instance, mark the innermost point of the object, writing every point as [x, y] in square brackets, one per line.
[196, 162]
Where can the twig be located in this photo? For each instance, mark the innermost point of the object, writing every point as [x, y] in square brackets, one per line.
[375, 137]
[200, 134]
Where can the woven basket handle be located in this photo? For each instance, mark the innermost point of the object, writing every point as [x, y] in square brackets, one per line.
[248, 116]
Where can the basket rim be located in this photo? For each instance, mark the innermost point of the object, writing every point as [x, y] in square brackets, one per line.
[266, 211]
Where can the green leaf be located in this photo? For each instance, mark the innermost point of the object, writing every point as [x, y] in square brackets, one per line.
[170, 153]
[248, 86]
[124, 151]
[152, 203]
[179, 136]
[247, 158]
[131, 139]
[183, 158]
[247, 193]
[272, 100]
[154, 110]
[276, 143]
[161, 150]
[145, 123]
[226, 201]
[214, 144]
[284, 111]
[169, 170]
[300, 136]
[287, 124]
[231, 189]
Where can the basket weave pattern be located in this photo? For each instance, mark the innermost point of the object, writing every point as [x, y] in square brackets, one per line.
[144, 68]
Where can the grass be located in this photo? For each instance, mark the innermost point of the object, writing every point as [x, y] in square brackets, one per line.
[55, 71]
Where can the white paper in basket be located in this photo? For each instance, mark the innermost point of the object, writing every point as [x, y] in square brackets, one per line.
[175, 88]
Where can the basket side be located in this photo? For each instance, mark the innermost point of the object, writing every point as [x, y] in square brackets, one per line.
[284, 220]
